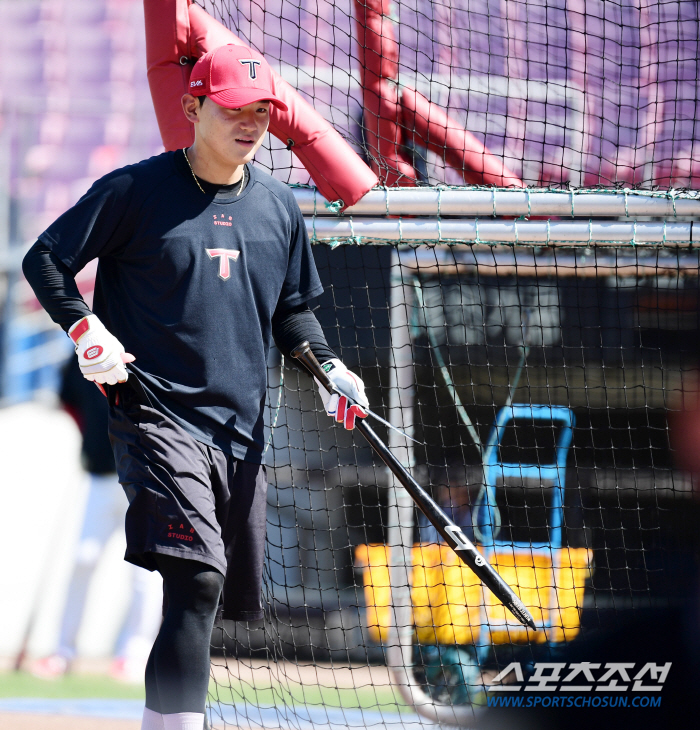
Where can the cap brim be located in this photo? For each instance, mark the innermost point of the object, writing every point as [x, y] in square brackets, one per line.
[236, 98]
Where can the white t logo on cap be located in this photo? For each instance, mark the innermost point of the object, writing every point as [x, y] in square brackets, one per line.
[252, 63]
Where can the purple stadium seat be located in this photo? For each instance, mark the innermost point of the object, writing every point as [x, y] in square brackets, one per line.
[93, 53]
[85, 130]
[85, 12]
[19, 13]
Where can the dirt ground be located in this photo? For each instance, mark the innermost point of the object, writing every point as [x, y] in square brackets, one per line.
[16, 721]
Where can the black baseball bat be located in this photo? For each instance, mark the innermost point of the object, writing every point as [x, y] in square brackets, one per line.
[451, 533]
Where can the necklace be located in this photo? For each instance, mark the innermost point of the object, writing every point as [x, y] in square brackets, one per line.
[196, 179]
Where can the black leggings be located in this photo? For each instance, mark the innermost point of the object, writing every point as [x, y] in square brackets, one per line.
[177, 673]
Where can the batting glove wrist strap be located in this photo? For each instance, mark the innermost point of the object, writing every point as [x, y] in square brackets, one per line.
[348, 404]
[99, 352]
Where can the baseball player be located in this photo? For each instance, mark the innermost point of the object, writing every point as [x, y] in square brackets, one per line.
[203, 260]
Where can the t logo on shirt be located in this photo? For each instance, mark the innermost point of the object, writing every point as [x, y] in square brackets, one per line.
[224, 255]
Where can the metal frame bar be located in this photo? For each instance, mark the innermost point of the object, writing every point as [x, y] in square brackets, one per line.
[493, 231]
[399, 648]
[466, 202]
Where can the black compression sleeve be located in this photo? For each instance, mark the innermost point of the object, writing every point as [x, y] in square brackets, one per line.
[177, 673]
[54, 285]
[290, 327]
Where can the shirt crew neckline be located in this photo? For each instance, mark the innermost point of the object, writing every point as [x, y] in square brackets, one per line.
[224, 195]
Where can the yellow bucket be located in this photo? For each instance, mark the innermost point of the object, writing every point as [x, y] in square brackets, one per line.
[450, 607]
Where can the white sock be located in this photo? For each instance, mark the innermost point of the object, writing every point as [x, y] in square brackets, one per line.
[152, 720]
[184, 721]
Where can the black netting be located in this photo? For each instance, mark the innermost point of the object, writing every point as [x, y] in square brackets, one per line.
[539, 383]
[580, 93]
[580, 358]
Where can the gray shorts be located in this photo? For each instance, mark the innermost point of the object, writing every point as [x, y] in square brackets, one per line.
[189, 500]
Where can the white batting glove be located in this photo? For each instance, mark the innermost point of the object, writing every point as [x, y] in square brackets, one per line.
[351, 386]
[100, 354]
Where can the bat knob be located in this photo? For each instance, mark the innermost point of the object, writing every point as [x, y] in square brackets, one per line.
[301, 349]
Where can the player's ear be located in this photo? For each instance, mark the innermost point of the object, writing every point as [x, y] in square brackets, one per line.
[191, 107]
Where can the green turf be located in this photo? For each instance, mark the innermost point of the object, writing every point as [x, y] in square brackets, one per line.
[76, 686]
[85, 686]
[377, 698]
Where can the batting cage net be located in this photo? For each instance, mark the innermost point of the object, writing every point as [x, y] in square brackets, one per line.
[559, 93]
[538, 386]
[536, 380]
[502, 195]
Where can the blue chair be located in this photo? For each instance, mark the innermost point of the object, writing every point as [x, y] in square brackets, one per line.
[487, 515]
[487, 519]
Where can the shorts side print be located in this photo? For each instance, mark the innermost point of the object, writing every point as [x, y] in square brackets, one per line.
[189, 500]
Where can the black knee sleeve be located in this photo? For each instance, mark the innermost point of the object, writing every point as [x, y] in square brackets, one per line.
[198, 593]
[177, 674]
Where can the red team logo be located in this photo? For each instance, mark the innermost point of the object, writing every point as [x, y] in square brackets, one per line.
[92, 352]
[224, 255]
[180, 534]
[222, 222]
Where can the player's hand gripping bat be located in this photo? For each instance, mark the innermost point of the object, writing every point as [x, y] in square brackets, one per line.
[451, 533]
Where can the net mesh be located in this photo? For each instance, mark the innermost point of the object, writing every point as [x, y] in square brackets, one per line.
[580, 93]
[537, 381]
[597, 344]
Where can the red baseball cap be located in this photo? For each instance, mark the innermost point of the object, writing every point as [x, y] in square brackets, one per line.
[233, 76]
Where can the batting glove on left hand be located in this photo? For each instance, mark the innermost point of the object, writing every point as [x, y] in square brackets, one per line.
[100, 354]
[351, 387]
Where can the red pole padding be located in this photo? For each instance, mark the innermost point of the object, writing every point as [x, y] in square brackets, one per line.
[176, 30]
[459, 148]
[167, 41]
[394, 115]
[378, 56]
